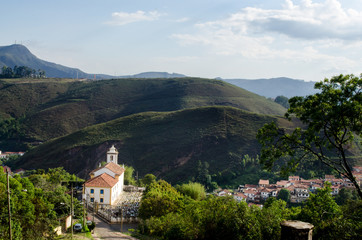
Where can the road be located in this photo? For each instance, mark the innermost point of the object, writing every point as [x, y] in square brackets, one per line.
[109, 232]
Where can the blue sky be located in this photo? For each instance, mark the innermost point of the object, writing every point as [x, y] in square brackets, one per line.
[303, 39]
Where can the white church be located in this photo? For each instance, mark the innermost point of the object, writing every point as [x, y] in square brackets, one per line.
[106, 183]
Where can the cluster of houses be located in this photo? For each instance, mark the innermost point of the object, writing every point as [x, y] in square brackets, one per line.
[298, 187]
[6, 155]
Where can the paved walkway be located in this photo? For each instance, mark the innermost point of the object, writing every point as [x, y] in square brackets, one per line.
[104, 231]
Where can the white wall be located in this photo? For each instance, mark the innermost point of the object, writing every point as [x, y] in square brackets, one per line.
[97, 196]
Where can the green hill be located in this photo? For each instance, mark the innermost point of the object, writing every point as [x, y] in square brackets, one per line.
[167, 144]
[49, 108]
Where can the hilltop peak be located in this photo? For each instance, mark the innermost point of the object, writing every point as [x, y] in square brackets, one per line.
[20, 55]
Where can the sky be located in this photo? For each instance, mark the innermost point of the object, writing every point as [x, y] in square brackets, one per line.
[302, 39]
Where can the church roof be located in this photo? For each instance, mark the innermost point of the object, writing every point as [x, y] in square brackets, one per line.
[103, 180]
[115, 168]
[111, 166]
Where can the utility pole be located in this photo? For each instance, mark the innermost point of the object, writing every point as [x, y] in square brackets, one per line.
[71, 208]
[84, 202]
[121, 219]
[9, 208]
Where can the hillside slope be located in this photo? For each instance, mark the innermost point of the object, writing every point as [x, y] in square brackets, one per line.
[167, 144]
[52, 108]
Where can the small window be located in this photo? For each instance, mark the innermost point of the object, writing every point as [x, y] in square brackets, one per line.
[92, 191]
[101, 200]
[102, 191]
[92, 199]
[111, 157]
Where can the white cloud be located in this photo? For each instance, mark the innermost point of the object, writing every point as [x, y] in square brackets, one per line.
[308, 20]
[123, 18]
[301, 37]
[286, 32]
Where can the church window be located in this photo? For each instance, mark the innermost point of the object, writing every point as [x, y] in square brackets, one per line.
[92, 191]
[102, 191]
[111, 158]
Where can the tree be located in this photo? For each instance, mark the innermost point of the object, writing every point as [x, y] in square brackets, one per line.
[32, 213]
[284, 195]
[203, 175]
[322, 211]
[160, 199]
[331, 123]
[282, 101]
[194, 190]
[128, 176]
[344, 195]
[7, 72]
[148, 179]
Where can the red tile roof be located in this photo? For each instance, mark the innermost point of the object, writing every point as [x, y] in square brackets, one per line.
[111, 166]
[115, 168]
[263, 182]
[103, 180]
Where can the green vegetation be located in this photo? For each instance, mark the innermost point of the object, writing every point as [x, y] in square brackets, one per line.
[282, 101]
[220, 136]
[148, 179]
[194, 190]
[38, 201]
[284, 195]
[168, 214]
[128, 176]
[50, 108]
[332, 125]
[21, 72]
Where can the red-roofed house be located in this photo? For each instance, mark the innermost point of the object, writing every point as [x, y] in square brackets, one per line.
[224, 192]
[265, 193]
[251, 194]
[263, 183]
[293, 178]
[335, 189]
[106, 183]
[283, 184]
[240, 197]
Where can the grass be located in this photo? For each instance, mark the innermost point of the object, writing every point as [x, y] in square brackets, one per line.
[79, 236]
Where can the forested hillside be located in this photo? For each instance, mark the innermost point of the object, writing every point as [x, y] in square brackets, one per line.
[167, 144]
[37, 110]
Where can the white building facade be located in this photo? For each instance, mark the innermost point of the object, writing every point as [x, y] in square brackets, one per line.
[106, 183]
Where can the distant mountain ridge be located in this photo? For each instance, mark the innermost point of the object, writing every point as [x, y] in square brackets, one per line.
[19, 55]
[154, 75]
[274, 87]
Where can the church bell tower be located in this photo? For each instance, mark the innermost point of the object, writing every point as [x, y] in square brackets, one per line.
[112, 155]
